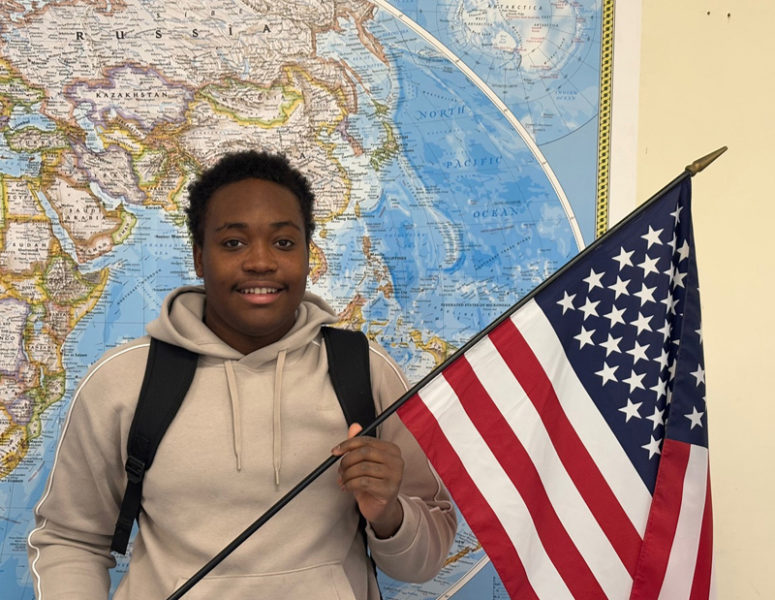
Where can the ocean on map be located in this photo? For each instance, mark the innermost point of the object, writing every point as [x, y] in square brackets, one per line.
[466, 220]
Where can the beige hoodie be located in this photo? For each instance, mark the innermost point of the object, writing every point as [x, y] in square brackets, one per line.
[250, 428]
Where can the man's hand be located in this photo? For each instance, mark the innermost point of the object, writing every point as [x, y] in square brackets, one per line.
[372, 470]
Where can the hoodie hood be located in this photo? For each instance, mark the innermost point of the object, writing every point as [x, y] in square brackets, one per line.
[181, 323]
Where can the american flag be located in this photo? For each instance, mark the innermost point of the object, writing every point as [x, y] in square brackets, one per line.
[572, 433]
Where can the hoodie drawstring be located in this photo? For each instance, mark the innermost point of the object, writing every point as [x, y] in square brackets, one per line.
[277, 452]
[236, 421]
[236, 425]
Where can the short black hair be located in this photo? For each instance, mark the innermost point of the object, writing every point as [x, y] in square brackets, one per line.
[248, 164]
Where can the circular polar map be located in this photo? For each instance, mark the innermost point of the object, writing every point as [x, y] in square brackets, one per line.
[452, 146]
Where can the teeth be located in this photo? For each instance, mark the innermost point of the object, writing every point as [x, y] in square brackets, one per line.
[259, 290]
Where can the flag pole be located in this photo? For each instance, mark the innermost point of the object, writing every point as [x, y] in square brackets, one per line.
[689, 171]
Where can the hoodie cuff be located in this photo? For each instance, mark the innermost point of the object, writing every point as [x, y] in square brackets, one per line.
[404, 538]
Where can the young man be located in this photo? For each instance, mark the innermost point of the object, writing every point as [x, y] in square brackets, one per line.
[260, 415]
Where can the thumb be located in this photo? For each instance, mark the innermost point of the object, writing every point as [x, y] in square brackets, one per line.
[354, 430]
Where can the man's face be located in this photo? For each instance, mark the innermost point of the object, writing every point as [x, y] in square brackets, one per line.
[254, 261]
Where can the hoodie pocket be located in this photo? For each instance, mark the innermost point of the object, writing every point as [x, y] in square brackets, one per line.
[322, 582]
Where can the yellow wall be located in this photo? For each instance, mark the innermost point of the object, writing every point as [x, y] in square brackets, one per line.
[708, 80]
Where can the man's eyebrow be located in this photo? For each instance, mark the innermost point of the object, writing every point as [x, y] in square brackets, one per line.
[229, 225]
[241, 225]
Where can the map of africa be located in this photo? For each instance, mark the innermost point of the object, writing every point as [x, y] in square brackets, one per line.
[452, 146]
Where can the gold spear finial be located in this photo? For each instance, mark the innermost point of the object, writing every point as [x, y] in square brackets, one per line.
[699, 164]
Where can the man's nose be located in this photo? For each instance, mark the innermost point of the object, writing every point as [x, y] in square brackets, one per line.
[260, 257]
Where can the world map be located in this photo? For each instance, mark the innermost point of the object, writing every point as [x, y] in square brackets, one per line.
[452, 147]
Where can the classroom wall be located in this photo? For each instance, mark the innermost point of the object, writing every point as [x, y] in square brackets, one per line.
[708, 80]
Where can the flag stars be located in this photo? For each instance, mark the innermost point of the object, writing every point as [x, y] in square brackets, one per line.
[593, 280]
[676, 276]
[646, 294]
[631, 410]
[625, 258]
[649, 265]
[642, 323]
[695, 417]
[635, 381]
[607, 373]
[677, 279]
[638, 352]
[653, 447]
[616, 316]
[589, 308]
[699, 375]
[660, 388]
[611, 344]
[683, 251]
[566, 302]
[670, 303]
[652, 237]
[620, 287]
[676, 214]
[584, 337]
[658, 418]
[664, 358]
[672, 368]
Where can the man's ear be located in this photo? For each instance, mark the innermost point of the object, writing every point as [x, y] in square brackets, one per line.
[198, 261]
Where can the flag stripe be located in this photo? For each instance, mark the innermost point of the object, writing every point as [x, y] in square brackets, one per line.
[585, 418]
[523, 419]
[683, 552]
[511, 454]
[495, 487]
[662, 522]
[573, 454]
[477, 512]
[713, 593]
[702, 572]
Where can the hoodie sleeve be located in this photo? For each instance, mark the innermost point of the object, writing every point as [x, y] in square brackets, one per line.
[417, 551]
[69, 550]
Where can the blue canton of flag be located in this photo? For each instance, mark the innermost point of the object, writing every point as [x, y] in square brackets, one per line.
[629, 321]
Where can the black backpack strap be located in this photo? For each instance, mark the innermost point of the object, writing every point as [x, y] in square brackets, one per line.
[168, 375]
[348, 368]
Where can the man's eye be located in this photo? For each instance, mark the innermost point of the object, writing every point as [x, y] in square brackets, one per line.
[284, 243]
[232, 243]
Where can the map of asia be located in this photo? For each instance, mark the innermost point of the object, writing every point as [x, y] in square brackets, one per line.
[452, 145]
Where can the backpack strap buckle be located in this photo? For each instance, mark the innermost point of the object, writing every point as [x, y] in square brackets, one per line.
[135, 469]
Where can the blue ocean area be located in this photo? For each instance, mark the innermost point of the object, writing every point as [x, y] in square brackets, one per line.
[22, 117]
[561, 103]
[153, 261]
[461, 204]
[17, 164]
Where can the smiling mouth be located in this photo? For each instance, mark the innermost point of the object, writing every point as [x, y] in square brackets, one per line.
[259, 290]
